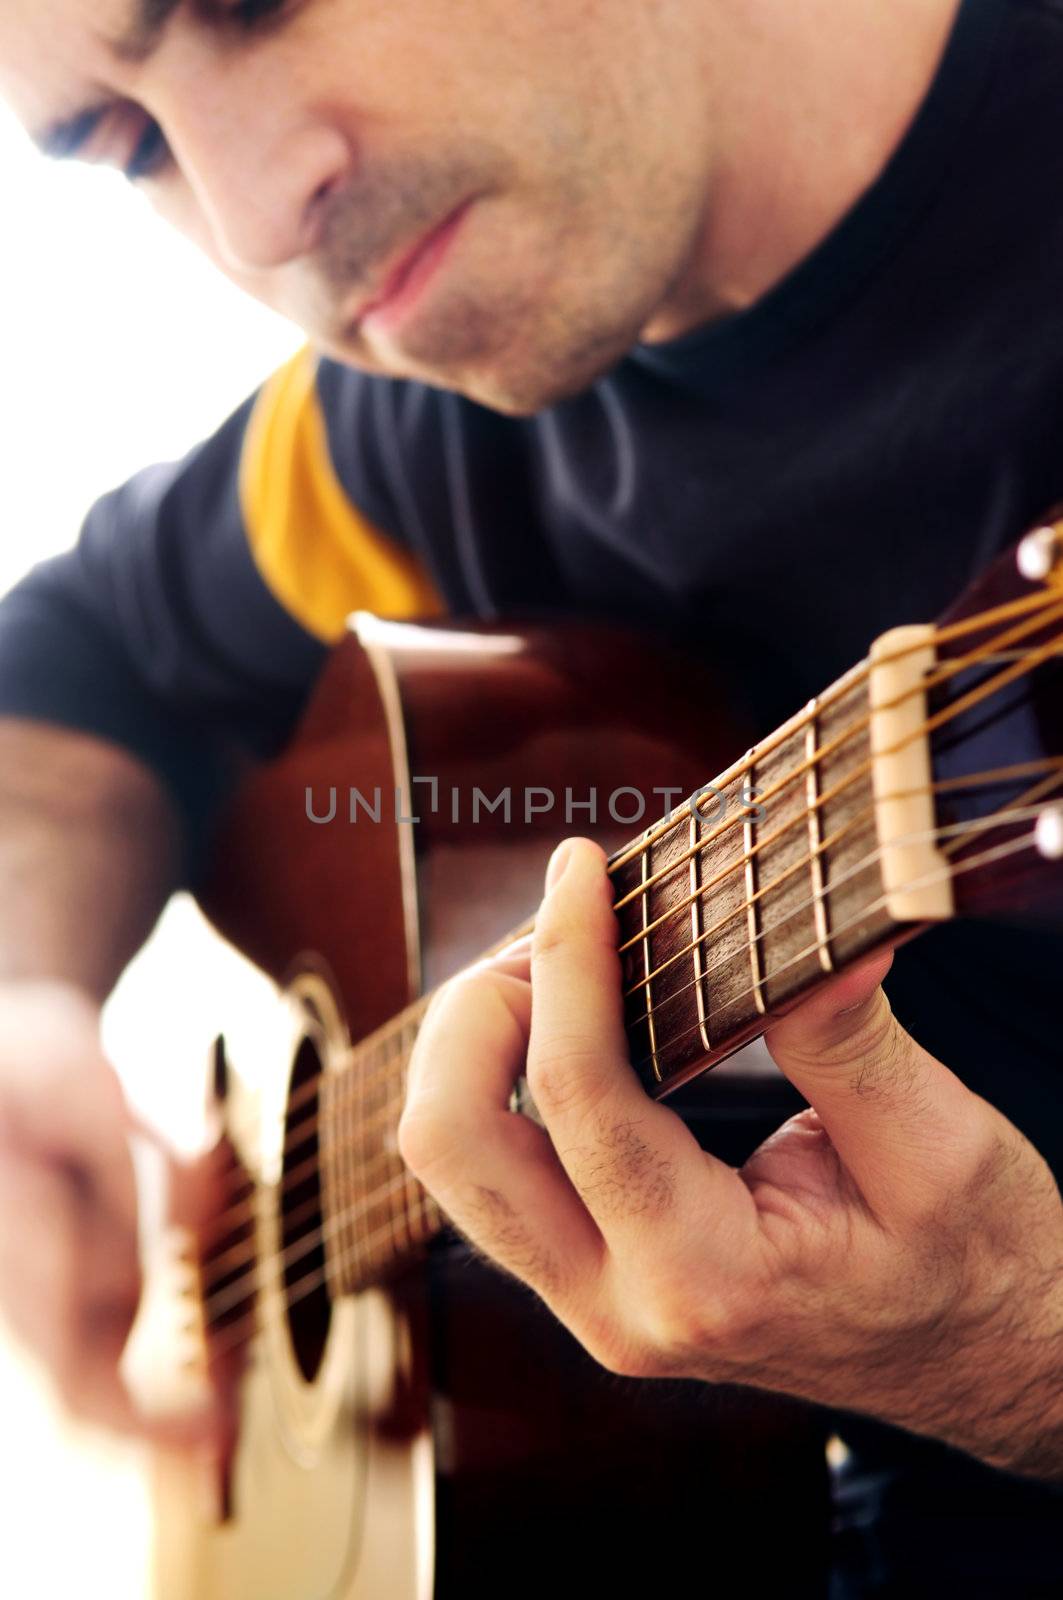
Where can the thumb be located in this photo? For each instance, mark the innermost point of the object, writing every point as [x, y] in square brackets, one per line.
[894, 1113]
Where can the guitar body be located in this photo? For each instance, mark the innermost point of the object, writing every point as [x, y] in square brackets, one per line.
[441, 1435]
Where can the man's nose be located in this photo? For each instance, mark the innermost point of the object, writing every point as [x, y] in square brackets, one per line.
[260, 167]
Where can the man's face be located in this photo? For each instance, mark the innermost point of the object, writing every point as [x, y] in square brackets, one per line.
[495, 196]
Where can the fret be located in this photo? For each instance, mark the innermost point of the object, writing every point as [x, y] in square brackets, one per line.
[647, 962]
[790, 939]
[380, 1213]
[752, 915]
[355, 1164]
[754, 897]
[427, 1219]
[337, 1145]
[656, 924]
[815, 838]
[337, 1239]
[392, 1179]
[394, 1176]
[698, 933]
[697, 930]
[725, 944]
[410, 1187]
[339, 1163]
[351, 1136]
[359, 1158]
[379, 1173]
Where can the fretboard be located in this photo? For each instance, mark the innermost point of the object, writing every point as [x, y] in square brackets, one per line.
[753, 893]
[376, 1213]
[746, 896]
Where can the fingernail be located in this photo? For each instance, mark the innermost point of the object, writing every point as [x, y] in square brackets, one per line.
[558, 862]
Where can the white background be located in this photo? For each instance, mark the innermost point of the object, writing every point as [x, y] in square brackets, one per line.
[119, 347]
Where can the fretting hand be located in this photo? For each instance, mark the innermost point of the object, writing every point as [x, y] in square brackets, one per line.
[897, 1250]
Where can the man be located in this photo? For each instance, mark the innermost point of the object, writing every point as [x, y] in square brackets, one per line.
[736, 317]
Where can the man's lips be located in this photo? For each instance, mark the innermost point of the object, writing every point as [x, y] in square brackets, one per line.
[411, 273]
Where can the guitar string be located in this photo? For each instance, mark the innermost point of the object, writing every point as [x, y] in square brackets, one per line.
[303, 1130]
[1025, 664]
[306, 1130]
[942, 786]
[997, 819]
[1006, 817]
[230, 1219]
[956, 708]
[386, 1111]
[1029, 661]
[1006, 678]
[432, 1211]
[1030, 603]
[1046, 601]
[960, 834]
[234, 1334]
[953, 835]
[995, 853]
[750, 901]
[307, 1094]
[303, 1244]
[816, 757]
[388, 1046]
[1043, 601]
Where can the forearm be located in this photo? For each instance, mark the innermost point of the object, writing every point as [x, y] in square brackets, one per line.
[983, 1374]
[89, 854]
[1004, 1403]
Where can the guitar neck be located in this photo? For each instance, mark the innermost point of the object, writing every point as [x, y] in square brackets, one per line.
[847, 829]
[756, 892]
[752, 891]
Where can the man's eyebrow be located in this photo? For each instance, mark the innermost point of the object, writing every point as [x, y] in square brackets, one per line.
[136, 43]
[140, 37]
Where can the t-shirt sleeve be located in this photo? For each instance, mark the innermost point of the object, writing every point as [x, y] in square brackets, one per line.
[191, 619]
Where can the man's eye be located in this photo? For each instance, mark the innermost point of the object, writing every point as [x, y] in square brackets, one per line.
[149, 156]
[247, 12]
[152, 152]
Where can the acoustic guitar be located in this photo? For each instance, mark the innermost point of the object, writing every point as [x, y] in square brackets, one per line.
[404, 1421]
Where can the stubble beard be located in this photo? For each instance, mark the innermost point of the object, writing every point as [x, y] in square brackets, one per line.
[516, 333]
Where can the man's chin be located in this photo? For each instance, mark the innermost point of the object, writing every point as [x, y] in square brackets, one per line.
[515, 384]
[527, 398]
[515, 351]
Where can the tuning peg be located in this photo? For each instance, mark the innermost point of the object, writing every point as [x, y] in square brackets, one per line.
[1048, 833]
[1038, 553]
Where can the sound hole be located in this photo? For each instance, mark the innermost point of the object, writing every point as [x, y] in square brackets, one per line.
[305, 1288]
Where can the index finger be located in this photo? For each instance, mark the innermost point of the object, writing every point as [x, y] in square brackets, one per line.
[629, 1158]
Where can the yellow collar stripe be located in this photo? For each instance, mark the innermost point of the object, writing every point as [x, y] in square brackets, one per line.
[319, 556]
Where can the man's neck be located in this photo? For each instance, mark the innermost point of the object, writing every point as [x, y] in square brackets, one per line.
[809, 99]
